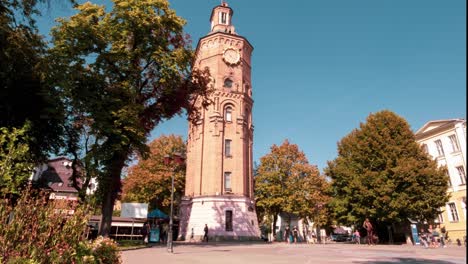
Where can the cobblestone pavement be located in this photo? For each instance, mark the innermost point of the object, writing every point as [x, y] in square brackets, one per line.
[278, 253]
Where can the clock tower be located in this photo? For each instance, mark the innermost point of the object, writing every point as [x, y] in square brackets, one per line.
[219, 178]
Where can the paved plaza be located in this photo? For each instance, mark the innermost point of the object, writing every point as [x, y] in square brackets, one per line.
[278, 253]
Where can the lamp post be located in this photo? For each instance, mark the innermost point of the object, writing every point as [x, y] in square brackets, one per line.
[168, 159]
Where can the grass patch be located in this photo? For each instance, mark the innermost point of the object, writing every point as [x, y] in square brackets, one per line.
[130, 244]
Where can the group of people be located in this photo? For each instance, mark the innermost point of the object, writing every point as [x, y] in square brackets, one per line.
[145, 231]
[291, 236]
[432, 238]
[309, 236]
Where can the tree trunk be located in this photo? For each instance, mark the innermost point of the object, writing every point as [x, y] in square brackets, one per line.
[275, 218]
[110, 195]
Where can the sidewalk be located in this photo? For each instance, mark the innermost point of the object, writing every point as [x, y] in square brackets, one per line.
[279, 253]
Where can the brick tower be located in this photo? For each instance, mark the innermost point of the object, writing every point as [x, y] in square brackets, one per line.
[219, 183]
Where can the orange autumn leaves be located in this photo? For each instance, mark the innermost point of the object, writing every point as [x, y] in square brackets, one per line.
[149, 181]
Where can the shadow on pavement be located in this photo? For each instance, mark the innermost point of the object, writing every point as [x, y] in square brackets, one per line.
[220, 243]
[405, 261]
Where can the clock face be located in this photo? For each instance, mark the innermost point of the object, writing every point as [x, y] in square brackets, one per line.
[231, 56]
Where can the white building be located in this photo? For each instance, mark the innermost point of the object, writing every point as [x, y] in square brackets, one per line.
[445, 141]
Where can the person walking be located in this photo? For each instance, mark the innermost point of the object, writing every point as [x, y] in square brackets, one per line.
[370, 232]
[144, 233]
[443, 234]
[287, 233]
[295, 234]
[192, 236]
[431, 238]
[205, 235]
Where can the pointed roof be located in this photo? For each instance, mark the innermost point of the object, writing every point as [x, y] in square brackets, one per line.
[435, 125]
[57, 176]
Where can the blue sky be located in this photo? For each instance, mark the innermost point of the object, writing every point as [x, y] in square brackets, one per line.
[321, 67]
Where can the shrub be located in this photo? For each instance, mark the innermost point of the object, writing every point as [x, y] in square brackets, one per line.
[36, 230]
[105, 250]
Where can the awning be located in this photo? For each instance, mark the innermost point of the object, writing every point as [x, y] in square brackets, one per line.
[156, 213]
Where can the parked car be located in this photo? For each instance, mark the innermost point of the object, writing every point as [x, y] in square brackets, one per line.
[340, 237]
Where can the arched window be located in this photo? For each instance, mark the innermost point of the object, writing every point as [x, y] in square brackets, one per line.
[228, 83]
[228, 114]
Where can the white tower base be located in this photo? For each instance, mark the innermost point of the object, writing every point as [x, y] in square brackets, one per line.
[211, 210]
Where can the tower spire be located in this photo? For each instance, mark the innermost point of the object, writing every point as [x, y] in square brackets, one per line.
[221, 19]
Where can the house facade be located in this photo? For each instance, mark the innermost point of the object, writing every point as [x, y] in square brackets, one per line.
[445, 141]
[54, 177]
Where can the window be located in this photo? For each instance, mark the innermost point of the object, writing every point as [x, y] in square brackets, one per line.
[228, 115]
[461, 173]
[223, 18]
[440, 149]
[454, 142]
[453, 215]
[228, 83]
[227, 147]
[227, 182]
[228, 220]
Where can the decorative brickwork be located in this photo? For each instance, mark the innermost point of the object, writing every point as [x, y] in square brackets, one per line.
[219, 177]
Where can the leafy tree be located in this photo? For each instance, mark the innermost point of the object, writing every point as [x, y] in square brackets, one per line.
[125, 71]
[149, 181]
[382, 173]
[30, 108]
[286, 182]
[25, 94]
[16, 162]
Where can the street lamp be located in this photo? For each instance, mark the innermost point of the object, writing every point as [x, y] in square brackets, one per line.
[178, 160]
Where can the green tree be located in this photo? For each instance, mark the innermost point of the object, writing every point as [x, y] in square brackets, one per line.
[25, 94]
[31, 116]
[16, 162]
[125, 70]
[286, 182]
[149, 181]
[382, 173]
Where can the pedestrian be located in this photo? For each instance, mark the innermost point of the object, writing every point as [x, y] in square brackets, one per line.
[295, 234]
[163, 235]
[357, 237]
[205, 235]
[192, 236]
[436, 235]
[313, 236]
[370, 232]
[443, 233]
[423, 238]
[323, 236]
[145, 232]
[287, 233]
[431, 238]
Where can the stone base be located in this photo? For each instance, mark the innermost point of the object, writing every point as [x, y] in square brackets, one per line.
[211, 210]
